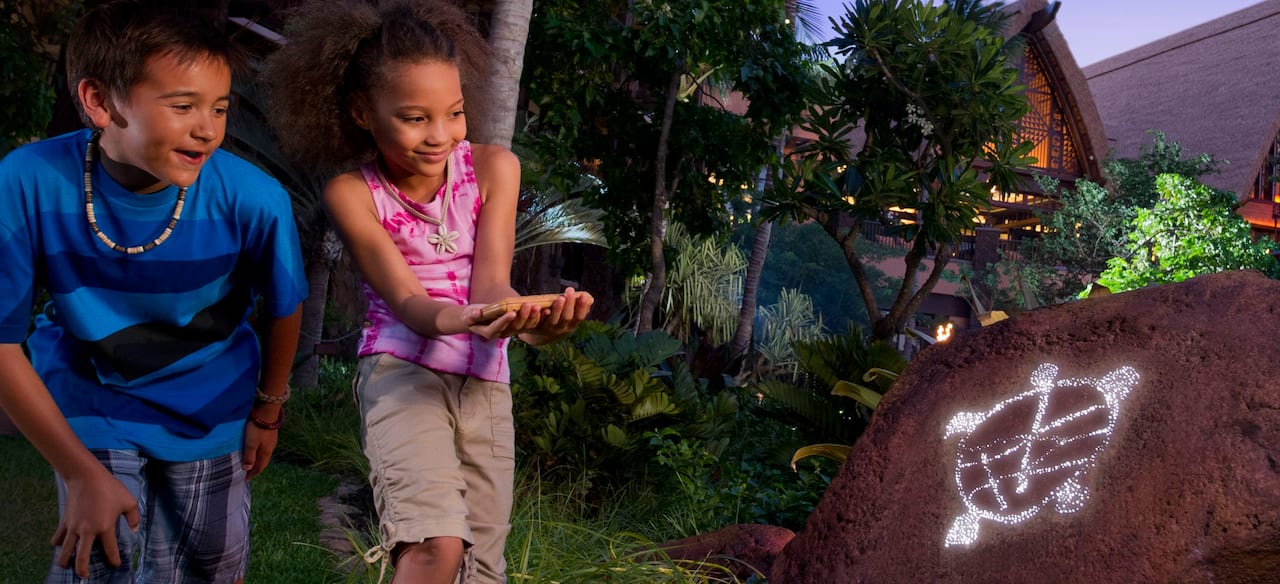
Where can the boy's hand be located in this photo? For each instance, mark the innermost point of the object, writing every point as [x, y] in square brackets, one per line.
[562, 318]
[258, 446]
[94, 505]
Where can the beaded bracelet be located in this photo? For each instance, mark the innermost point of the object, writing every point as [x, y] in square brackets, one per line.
[267, 425]
[265, 397]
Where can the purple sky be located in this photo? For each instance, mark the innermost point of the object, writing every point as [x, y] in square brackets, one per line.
[1097, 29]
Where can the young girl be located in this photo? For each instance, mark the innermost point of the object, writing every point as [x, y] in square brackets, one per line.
[430, 221]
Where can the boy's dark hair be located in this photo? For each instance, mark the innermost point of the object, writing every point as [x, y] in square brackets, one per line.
[337, 51]
[112, 43]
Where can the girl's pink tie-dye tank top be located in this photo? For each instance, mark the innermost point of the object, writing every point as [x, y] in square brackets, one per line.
[446, 277]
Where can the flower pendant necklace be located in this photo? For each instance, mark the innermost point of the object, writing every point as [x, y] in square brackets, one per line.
[93, 219]
[444, 238]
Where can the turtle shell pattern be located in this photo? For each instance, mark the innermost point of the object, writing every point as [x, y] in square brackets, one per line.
[1034, 449]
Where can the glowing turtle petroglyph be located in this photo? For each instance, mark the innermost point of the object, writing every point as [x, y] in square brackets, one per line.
[1034, 449]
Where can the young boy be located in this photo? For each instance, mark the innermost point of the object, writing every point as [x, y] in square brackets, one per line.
[146, 388]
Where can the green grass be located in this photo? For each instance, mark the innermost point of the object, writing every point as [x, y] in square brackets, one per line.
[284, 527]
[557, 537]
[30, 511]
[284, 520]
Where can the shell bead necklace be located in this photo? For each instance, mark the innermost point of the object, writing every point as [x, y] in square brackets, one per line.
[93, 220]
[444, 238]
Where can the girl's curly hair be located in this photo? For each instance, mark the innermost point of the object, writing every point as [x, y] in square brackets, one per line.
[338, 50]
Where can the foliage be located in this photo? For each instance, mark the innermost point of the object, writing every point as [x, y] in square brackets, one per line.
[706, 493]
[930, 96]
[598, 75]
[1191, 230]
[1016, 285]
[809, 403]
[1135, 178]
[791, 320]
[30, 34]
[583, 403]
[552, 207]
[1092, 223]
[704, 287]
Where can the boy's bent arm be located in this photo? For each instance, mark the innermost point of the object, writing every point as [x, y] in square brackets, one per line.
[279, 348]
[95, 499]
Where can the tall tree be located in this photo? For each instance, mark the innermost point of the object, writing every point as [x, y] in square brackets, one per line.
[803, 16]
[928, 96]
[497, 102]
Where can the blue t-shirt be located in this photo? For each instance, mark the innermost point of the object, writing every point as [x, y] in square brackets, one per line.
[153, 351]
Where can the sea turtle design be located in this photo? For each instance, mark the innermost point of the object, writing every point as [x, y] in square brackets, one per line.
[1034, 449]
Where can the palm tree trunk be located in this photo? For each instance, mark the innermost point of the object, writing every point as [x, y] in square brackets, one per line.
[658, 217]
[750, 288]
[321, 256]
[495, 121]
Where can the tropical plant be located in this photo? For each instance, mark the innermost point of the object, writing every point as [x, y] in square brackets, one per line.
[865, 396]
[929, 94]
[584, 402]
[744, 485]
[810, 404]
[703, 291]
[793, 319]
[1191, 230]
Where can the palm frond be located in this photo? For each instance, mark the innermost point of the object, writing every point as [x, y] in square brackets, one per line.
[564, 221]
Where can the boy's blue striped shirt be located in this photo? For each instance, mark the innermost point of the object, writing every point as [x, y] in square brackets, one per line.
[151, 351]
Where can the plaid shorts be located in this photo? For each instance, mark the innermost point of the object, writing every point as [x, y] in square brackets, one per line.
[194, 522]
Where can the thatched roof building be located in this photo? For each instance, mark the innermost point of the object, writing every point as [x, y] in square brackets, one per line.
[1213, 88]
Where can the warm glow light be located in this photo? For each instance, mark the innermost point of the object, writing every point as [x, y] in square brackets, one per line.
[843, 167]
[1034, 449]
[712, 178]
[852, 201]
[944, 332]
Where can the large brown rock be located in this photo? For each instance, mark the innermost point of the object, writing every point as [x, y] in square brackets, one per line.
[981, 465]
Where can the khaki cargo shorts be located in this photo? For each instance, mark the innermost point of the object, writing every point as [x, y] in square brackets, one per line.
[441, 451]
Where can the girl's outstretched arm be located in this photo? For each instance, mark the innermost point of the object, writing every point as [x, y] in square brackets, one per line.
[498, 175]
[350, 207]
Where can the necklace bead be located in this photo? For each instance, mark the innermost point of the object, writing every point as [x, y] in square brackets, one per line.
[93, 219]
